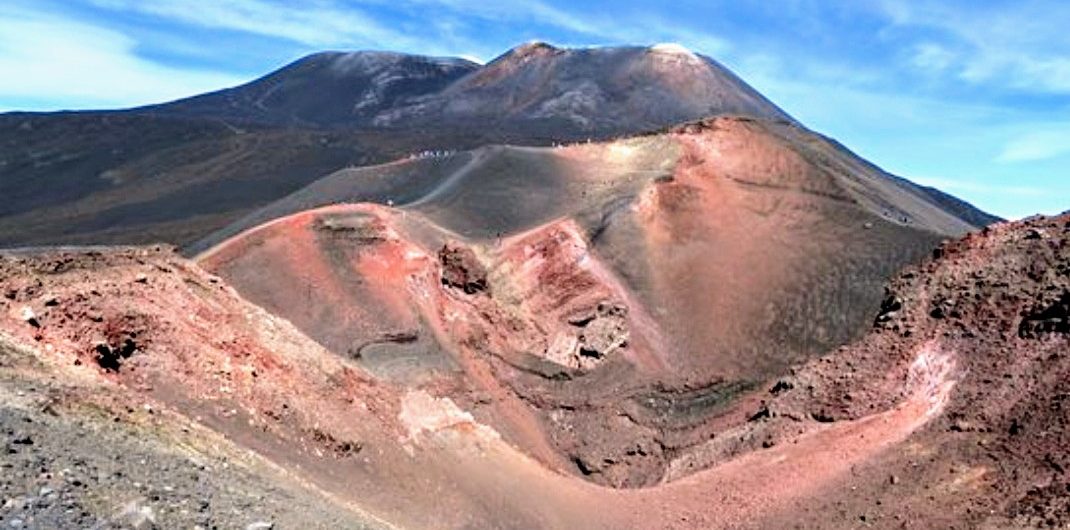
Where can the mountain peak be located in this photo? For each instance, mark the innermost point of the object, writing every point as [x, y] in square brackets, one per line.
[331, 88]
[535, 46]
[527, 50]
[535, 86]
[672, 48]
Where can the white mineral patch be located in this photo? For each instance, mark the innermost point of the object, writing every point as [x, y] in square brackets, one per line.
[423, 413]
[27, 314]
[620, 152]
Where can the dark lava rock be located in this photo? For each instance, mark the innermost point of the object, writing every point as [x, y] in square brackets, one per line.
[781, 386]
[889, 308]
[1054, 318]
[461, 268]
[111, 357]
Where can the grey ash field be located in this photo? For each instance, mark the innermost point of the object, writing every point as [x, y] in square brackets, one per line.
[594, 288]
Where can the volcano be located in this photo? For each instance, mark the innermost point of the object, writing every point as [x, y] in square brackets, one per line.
[567, 93]
[594, 288]
[179, 171]
[590, 279]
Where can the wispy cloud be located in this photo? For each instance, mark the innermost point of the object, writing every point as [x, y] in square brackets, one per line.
[933, 57]
[960, 185]
[502, 10]
[1013, 45]
[319, 24]
[1047, 143]
[48, 60]
[333, 23]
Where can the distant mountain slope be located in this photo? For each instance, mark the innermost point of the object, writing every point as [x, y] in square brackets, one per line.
[99, 178]
[594, 91]
[559, 92]
[531, 173]
[325, 89]
[958, 207]
[179, 171]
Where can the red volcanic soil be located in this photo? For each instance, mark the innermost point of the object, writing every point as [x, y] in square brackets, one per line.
[779, 222]
[995, 303]
[599, 305]
[949, 412]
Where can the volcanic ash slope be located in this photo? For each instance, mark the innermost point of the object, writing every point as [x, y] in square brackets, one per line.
[598, 304]
[950, 411]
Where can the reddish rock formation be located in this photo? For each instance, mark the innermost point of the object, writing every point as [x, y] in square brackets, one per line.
[943, 417]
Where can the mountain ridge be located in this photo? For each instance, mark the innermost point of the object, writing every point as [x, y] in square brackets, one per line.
[363, 98]
[178, 171]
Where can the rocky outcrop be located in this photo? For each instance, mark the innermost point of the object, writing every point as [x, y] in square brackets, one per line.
[461, 268]
[594, 333]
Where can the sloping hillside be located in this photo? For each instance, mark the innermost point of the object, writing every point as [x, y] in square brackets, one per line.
[655, 277]
[951, 411]
[178, 171]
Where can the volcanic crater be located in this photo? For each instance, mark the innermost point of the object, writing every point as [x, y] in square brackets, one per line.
[728, 322]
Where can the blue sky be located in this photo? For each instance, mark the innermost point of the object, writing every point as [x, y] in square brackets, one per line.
[970, 96]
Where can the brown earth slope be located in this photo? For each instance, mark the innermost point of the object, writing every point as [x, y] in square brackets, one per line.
[949, 413]
[97, 179]
[598, 304]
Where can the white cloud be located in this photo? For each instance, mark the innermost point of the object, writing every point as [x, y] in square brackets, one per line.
[933, 57]
[957, 186]
[329, 23]
[58, 61]
[1037, 145]
[332, 24]
[1017, 45]
[517, 10]
[314, 25]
